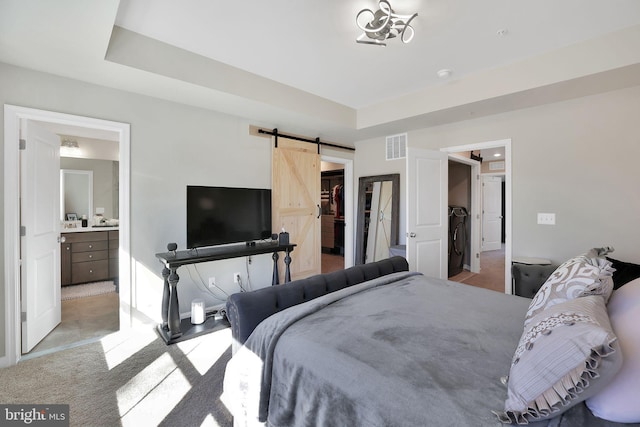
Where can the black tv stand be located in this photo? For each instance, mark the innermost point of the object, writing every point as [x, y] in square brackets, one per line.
[172, 329]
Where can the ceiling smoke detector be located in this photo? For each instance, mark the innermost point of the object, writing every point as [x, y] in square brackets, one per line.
[445, 73]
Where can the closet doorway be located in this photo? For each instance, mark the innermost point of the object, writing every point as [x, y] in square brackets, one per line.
[333, 209]
[485, 267]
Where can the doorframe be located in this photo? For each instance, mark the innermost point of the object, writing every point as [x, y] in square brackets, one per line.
[475, 243]
[349, 207]
[12, 118]
[506, 143]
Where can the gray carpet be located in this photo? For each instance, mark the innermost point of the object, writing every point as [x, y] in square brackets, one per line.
[129, 379]
[87, 290]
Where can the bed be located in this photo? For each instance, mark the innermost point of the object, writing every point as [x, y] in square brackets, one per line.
[378, 345]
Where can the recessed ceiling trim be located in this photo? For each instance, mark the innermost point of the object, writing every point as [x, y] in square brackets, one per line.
[580, 61]
[144, 53]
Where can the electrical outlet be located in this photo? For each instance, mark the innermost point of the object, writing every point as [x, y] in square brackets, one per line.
[547, 218]
[236, 277]
[212, 282]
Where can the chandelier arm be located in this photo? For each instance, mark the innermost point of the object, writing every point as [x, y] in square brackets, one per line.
[408, 25]
[385, 24]
[371, 28]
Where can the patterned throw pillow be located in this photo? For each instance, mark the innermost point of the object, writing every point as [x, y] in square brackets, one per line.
[567, 353]
[587, 274]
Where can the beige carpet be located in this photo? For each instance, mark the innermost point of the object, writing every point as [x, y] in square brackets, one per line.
[129, 379]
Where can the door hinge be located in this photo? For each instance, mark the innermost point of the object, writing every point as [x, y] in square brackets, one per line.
[23, 231]
[477, 255]
[23, 144]
[23, 316]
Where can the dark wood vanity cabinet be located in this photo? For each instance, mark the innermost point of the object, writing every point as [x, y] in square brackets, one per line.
[114, 243]
[86, 257]
[65, 263]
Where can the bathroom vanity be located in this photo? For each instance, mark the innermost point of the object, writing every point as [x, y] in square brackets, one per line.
[89, 254]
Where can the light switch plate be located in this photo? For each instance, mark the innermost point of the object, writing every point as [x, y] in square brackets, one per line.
[547, 218]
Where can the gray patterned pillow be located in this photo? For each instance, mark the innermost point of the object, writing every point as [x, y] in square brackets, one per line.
[587, 274]
[567, 353]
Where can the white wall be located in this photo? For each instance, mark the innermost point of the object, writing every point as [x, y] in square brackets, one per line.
[172, 145]
[576, 158]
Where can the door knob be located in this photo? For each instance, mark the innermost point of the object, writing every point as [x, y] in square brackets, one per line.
[62, 239]
[412, 234]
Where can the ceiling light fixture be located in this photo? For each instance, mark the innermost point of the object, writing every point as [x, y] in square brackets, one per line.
[384, 24]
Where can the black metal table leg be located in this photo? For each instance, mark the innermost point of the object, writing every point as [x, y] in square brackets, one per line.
[287, 272]
[275, 280]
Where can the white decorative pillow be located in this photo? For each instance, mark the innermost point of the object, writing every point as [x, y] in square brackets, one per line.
[587, 274]
[619, 401]
[566, 354]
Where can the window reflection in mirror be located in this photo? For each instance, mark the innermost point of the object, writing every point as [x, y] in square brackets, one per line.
[104, 190]
[76, 193]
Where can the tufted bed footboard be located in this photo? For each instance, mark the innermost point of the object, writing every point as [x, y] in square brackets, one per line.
[245, 310]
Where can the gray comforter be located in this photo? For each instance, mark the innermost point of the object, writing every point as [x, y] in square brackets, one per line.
[401, 350]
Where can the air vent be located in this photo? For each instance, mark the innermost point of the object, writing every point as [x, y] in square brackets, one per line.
[496, 166]
[397, 146]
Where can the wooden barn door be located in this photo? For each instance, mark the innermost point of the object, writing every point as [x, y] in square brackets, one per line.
[295, 191]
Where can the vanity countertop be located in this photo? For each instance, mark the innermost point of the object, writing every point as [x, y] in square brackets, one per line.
[90, 228]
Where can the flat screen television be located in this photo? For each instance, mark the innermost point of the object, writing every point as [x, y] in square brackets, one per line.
[222, 215]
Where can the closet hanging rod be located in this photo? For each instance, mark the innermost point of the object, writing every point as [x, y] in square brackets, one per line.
[297, 138]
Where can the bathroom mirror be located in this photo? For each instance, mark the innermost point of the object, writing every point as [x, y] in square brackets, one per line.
[377, 220]
[76, 193]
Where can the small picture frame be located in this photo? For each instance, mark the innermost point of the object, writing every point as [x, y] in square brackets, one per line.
[72, 217]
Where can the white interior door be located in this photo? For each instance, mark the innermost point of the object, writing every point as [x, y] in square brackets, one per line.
[427, 197]
[39, 246]
[491, 213]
